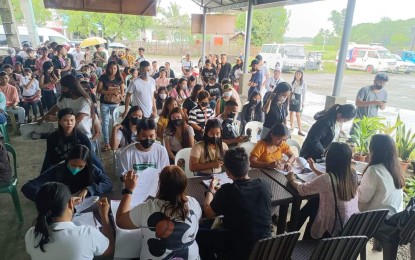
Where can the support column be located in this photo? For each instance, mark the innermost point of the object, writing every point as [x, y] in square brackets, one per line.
[10, 28]
[204, 36]
[248, 35]
[29, 17]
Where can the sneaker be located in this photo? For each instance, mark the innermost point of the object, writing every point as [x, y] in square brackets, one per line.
[301, 133]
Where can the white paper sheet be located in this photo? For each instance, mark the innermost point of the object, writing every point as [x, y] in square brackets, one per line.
[148, 181]
[127, 242]
[301, 166]
[86, 218]
[222, 178]
[88, 202]
[306, 177]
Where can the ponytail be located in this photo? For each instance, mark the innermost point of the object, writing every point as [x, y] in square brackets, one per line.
[348, 111]
[42, 229]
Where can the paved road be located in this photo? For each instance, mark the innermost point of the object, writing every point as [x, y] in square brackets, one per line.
[401, 87]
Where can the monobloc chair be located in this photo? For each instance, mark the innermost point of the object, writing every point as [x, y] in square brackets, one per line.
[255, 128]
[279, 247]
[364, 224]
[249, 146]
[339, 248]
[3, 130]
[12, 187]
[13, 121]
[294, 143]
[185, 155]
[116, 115]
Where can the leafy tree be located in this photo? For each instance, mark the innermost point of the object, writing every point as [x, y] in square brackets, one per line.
[268, 25]
[322, 37]
[337, 20]
[41, 13]
[176, 26]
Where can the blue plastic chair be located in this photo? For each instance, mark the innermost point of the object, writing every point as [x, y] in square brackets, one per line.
[12, 187]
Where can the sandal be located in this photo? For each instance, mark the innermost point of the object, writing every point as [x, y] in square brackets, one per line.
[301, 133]
[105, 148]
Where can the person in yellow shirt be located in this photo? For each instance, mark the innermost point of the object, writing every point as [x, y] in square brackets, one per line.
[129, 58]
[164, 116]
[268, 152]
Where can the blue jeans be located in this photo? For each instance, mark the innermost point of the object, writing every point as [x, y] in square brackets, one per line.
[106, 111]
[3, 118]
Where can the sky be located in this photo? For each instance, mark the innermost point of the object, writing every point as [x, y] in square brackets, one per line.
[307, 19]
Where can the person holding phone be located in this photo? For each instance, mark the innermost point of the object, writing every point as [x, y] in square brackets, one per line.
[372, 98]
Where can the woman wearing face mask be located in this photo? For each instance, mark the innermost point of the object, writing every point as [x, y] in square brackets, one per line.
[325, 129]
[178, 134]
[199, 115]
[297, 99]
[206, 157]
[252, 111]
[55, 236]
[180, 92]
[276, 107]
[226, 96]
[77, 172]
[47, 83]
[126, 133]
[191, 102]
[161, 97]
[191, 83]
[162, 80]
[269, 151]
[164, 116]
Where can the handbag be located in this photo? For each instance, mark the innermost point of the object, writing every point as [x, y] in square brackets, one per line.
[113, 98]
[336, 209]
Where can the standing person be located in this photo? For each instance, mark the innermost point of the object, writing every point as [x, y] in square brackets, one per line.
[140, 57]
[297, 99]
[78, 56]
[100, 56]
[171, 208]
[187, 66]
[272, 82]
[199, 115]
[12, 58]
[55, 236]
[236, 72]
[47, 82]
[61, 62]
[23, 52]
[169, 71]
[177, 134]
[264, 69]
[141, 92]
[31, 95]
[12, 98]
[191, 101]
[256, 79]
[225, 68]
[337, 191]
[125, 133]
[129, 58]
[323, 131]
[207, 72]
[88, 57]
[30, 62]
[276, 107]
[245, 205]
[111, 88]
[372, 98]
[154, 70]
[42, 59]
[180, 92]
[252, 111]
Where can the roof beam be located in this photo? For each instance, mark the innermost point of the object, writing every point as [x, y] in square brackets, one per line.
[227, 7]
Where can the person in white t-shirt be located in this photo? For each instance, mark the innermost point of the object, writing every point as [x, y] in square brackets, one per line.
[55, 236]
[264, 69]
[78, 56]
[169, 223]
[145, 153]
[125, 133]
[31, 94]
[187, 66]
[141, 92]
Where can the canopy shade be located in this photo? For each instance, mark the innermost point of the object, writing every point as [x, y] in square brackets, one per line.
[135, 7]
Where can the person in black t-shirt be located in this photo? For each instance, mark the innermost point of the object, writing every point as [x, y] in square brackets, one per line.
[207, 72]
[225, 67]
[191, 102]
[245, 205]
[215, 91]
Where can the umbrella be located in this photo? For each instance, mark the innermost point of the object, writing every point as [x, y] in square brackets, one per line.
[117, 45]
[91, 41]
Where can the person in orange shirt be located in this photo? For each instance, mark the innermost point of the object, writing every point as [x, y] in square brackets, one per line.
[12, 97]
[269, 151]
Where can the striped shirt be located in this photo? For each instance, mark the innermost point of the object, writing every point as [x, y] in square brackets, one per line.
[199, 117]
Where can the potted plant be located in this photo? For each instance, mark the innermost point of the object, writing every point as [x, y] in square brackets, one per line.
[363, 130]
[405, 143]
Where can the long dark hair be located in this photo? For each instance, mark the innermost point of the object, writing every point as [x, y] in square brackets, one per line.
[159, 101]
[338, 162]
[383, 151]
[75, 132]
[212, 123]
[258, 107]
[126, 130]
[165, 111]
[281, 87]
[348, 111]
[278, 129]
[82, 152]
[196, 89]
[171, 128]
[302, 77]
[74, 87]
[45, 67]
[117, 74]
[51, 202]
[172, 189]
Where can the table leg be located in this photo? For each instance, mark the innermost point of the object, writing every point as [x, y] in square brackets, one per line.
[282, 219]
[295, 215]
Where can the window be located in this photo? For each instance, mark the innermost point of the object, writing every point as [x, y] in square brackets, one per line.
[265, 49]
[361, 53]
[372, 54]
[58, 39]
[273, 49]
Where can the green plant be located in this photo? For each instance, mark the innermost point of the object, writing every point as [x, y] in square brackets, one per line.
[409, 189]
[388, 129]
[363, 130]
[405, 142]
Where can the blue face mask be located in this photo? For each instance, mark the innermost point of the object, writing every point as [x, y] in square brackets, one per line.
[75, 170]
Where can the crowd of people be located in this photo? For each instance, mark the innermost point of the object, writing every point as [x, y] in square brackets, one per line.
[164, 114]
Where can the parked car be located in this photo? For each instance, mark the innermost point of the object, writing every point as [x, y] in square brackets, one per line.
[408, 56]
[45, 34]
[403, 66]
[314, 61]
[286, 56]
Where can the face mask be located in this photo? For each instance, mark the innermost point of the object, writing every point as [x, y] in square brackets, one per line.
[282, 99]
[211, 84]
[178, 122]
[147, 143]
[66, 94]
[231, 115]
[148, 75]
[227, 94]
[163, 96]
[74, 171]
[255, 102]
[213, 140]
[204, 104]
[134, 120]
[378, 86]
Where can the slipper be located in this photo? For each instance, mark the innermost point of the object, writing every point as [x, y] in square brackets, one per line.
[301, 133]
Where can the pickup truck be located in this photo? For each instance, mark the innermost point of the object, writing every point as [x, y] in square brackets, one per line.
[403, 66]
[408, 56]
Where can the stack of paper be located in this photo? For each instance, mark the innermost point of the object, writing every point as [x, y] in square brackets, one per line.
[86, 203]
[222, 179]
[87, 218]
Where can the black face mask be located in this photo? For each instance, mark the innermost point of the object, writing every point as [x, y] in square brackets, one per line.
[255, 102]
[178, 122]
[378, 86]
[147, 143]
[66, 94]
[213, 140]
[204, 104]
[231, 115]
[134, 120]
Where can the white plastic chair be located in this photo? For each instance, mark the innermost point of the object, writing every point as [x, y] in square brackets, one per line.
[248, 146]
[294, 143]
[116, 115]
[255, 127]
[185, 155]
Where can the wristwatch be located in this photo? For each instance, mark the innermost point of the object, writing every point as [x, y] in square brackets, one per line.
[126, 191]
[209, 190]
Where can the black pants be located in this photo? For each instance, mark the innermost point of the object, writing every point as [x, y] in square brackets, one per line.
[308, 211]
[211, 242]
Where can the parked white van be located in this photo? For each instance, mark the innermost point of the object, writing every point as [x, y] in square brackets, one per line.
[45, 34]
[286, 56]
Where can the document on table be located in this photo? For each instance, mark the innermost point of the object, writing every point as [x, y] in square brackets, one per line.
[222, 178]
[301, 167]
[86, 203]
[86, 218]
[148, 182]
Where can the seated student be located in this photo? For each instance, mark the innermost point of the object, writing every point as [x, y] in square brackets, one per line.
[178, 134]
[227, 95]
[31, 95]
[245, 206]
[215, 91]
[161, 97]
[235, 94]
[164, 116]
[12, 97]
[206, 157]
[144, 153]
[191, 102]
[171, 208]
[325, 129]
[3, 114]
[268, 152]
[55, 236]
[230, 135]
[125, 133]
[5, 167]
[180, 92]
[252, 111]
[338, 194]
[77, 172]
[199, 115]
